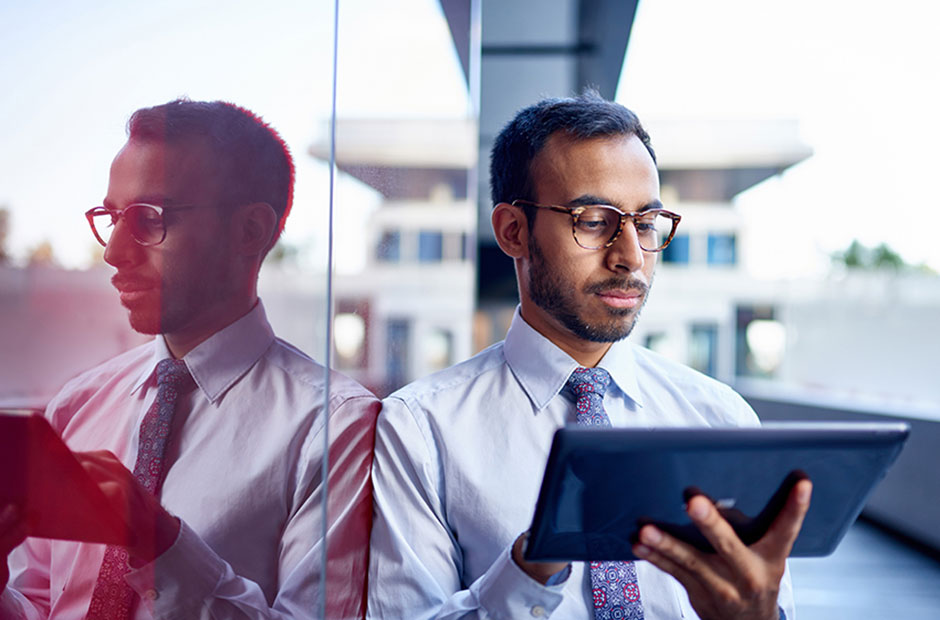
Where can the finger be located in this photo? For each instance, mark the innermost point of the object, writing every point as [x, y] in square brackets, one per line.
[694, 586]
[12, 529]
[778, 540]
[720, 534]
[685, 561]
[102, 458]
[104, 468]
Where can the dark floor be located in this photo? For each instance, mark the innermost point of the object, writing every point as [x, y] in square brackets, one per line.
[870, 575]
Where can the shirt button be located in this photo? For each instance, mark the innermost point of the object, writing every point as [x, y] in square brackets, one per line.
[151, 595]
[537, 611]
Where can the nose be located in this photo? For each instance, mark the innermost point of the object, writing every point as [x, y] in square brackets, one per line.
[625, 254]
[122, 250]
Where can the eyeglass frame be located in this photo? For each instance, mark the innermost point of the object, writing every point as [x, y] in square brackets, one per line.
[575, 213]
[102, 210]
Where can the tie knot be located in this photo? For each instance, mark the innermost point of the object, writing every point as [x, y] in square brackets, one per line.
[586, 380]
[171, 372]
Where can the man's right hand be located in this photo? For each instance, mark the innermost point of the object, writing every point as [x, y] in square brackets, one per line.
[12, 533]
[152, 529]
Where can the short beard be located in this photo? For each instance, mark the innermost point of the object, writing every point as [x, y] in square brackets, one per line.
[552, 296]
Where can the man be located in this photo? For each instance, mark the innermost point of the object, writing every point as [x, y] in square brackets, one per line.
[459, 455]
[222, 423]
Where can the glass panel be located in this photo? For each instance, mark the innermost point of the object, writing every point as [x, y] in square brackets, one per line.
[243, 440]
[406, 153]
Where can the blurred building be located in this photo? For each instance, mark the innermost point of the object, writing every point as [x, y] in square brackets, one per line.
[55, 323]
[409, 311]
[703, 301]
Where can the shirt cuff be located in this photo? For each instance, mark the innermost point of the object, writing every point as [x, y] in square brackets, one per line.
[14, 606]
[560, 577]
[181, 580]
[506, 591]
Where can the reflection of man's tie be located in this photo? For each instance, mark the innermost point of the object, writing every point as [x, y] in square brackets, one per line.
[613, 584]
[113, 598]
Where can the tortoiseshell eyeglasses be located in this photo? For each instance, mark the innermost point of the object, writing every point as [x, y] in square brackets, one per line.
[597, 226]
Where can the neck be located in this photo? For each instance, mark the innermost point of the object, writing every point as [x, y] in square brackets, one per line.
[585, 352]
[587, 356]
[183, 340]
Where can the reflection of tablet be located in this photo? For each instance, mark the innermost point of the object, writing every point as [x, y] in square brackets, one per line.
[600, 484]
[41, 476]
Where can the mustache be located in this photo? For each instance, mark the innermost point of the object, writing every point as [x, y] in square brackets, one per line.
[126, 281]
[615, 283]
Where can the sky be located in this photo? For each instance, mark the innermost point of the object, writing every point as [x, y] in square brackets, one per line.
[74, 72]
[858, 76]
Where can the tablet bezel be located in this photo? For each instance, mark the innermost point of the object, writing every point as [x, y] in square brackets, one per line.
[584, 515]
[54, 493]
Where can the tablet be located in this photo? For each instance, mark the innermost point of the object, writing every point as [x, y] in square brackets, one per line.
[601, 485]
[40, 474]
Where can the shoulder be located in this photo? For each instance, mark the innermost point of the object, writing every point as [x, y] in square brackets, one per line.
[286, 362]
[452, 384]
[714, 399]
[122, 369]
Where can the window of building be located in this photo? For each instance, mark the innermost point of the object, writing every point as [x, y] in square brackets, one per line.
[452, 246]
[760, 342]
[677, 251]
[389, 248]
[721, 249]
[464, 246]
[349, 335]
[397, 333]
[703, 349]
[438, 349]
[430, 246]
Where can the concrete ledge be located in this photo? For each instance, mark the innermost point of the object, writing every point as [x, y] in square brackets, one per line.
[907, 499]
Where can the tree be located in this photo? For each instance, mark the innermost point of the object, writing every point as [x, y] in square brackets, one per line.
[42, 255]
[4, 234]
[884, 257]
[859, 257]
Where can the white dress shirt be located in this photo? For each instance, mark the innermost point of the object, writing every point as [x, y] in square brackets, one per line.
[459, 458]
[243, 474]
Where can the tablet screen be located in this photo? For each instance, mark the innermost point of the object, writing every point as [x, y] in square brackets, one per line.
[601, 485]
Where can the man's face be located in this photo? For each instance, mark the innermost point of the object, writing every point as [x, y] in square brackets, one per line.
[570, 294]
[179, 285]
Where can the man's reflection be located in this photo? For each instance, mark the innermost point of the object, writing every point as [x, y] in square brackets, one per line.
[209, 438]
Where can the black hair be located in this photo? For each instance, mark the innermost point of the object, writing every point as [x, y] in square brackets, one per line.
[583, 117]
[253, 159]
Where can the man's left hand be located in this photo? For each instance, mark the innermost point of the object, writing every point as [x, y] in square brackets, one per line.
[151, 529]
[737, 581]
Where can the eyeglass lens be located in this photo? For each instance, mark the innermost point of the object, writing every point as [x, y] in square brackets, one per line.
[143, 222]
[596, 226]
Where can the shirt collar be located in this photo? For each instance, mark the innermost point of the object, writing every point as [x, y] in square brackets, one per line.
[223, 358]
[620, 362]
[542, 368]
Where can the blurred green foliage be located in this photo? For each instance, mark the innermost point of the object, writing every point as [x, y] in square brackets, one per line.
[879, 258]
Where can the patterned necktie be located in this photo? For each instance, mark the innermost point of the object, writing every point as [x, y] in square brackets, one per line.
[113, 598]
[613, 584]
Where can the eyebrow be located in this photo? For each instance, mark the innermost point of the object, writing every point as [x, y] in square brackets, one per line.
[590, 199]
[156, 200]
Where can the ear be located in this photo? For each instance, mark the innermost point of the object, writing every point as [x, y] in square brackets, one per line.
[511, 230]
[254, 227]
